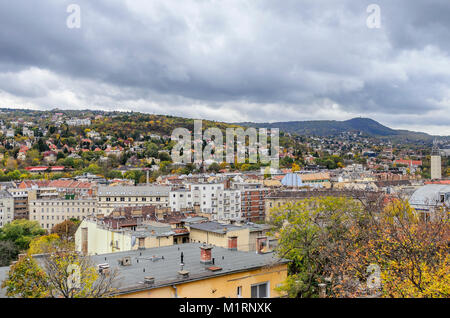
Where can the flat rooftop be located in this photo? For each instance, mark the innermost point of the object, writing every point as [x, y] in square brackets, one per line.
[163, 264]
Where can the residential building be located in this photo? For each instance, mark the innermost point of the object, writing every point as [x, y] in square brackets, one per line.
[429, 198]
[131, 228]
[49, 212]
[214, 200]
[244, 237]
[6, 208]
[110, 197]
[20, 203]
[253, 204]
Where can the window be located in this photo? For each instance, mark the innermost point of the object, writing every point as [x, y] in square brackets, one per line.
[239, 292]
[260, 290]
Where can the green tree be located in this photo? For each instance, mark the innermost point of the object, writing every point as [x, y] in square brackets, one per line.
[313, 234]
[62, 273]
[214, 167]
[21, 232]
[66, 230]
[8, 252]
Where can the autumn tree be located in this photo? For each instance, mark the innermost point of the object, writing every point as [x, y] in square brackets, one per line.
[44, 244]
[26, 280]
[412, 252]
[314, 234]
[359, 246]
[59, 274]
[66, 230]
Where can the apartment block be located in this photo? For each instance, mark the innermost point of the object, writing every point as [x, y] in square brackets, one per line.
[6, 208]
[49, 212]
[214, 200]
[111, 197]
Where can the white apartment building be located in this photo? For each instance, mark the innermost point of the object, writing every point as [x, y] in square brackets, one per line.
[213, 198]
[6, 208]
[78, 122]
[110, 198]
[49, 212]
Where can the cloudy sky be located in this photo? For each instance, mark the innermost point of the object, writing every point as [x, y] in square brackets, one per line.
[232, 60]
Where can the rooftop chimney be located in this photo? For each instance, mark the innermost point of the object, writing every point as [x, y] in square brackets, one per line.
[149, 280]
[261, 244]
[205, 254]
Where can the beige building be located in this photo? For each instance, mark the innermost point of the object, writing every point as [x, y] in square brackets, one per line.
[436, 172]
[96, 237]
[241, 237]
[110, 198]
[49, 212]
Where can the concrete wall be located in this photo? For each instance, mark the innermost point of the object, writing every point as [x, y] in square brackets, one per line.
[221, 286]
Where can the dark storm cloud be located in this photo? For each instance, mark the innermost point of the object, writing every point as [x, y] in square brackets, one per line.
[231, 60]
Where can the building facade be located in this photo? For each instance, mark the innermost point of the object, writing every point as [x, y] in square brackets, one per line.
[49, 212]
[110, 198]
[253, 204]
[6, 208]
[214, 200]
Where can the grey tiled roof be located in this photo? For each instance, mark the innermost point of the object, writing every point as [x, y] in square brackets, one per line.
[165, 271]
[220, 228]
[163, 264]
[215, 227]
[134, 191]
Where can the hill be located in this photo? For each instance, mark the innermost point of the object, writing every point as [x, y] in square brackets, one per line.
[323, 128]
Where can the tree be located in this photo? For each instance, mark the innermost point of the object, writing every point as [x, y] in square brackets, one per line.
[8, 252]
[66, 230]
[11, 163]
[412, 252]
[61, 273]
[21, 232]
[44, 244]
[313, 233]
[164, 156]
[361, 246]
[134, 175]
[214, 167]
[26, 280]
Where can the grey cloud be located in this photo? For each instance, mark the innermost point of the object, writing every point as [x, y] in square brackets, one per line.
[258, 60]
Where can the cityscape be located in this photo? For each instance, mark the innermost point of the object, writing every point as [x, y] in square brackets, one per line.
[180, 150]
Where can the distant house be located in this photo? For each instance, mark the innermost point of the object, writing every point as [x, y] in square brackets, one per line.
[49, 157]
[10, 133]
[27, 132]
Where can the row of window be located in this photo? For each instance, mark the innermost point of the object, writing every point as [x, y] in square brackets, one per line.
[60, 210]
[64, 203]
[122, 199]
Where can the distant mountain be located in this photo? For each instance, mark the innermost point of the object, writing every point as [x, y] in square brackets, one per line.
[324, 128]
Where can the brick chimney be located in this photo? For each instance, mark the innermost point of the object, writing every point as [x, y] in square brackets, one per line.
[205, 254]
[232, 243]
[261, 243]
[197, 208]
